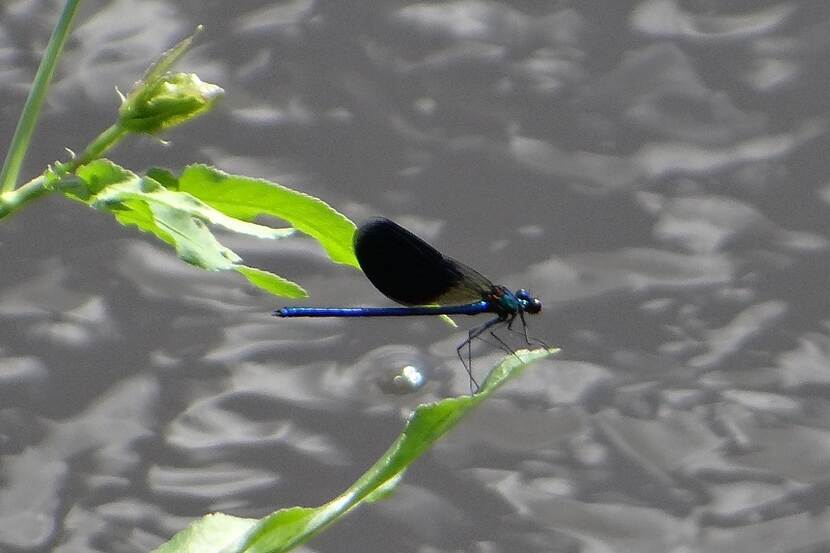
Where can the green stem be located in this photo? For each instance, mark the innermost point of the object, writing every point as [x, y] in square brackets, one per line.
[31, 110]
[97, 148]
[12, 200]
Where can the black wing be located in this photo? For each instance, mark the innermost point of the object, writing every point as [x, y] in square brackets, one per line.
[410, 271]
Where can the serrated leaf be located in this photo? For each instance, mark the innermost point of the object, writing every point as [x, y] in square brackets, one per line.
[176, 218]
[137, 213]
[271, 283]
[166, 177]
[101, 173]
[246, 198]
[287, 528]
[145, 204]
[154, 193]
[193, 241]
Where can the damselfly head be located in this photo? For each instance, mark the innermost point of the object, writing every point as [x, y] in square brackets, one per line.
[530, 304]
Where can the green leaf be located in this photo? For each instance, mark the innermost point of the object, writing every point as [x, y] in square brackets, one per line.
[193, 241]
[448, 320]
[174, 217]
[209, 533]
[137, 213]
[246, 198]
[285, 529]
[164, 176]
[385, 490]
[98, 175]
[271, 283]
[152, 191]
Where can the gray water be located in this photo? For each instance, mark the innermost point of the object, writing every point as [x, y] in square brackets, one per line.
[655, 171]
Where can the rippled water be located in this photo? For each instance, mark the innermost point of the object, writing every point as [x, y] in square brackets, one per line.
[655, 171]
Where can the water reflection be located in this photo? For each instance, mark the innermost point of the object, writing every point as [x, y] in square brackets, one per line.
[395, 369]
[655, 170]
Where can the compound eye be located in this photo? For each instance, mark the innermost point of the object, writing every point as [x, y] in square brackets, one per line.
[533, 306]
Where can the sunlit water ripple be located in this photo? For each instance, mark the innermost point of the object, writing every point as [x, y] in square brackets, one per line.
[655, 171]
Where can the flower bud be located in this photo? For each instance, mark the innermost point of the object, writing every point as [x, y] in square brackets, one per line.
[166, 101]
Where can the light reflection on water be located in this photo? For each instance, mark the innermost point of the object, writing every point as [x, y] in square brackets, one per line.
[396, 370]
[653, 171]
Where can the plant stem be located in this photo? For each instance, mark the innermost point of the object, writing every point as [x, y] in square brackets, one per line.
[31, 110]
[97, 148]
[12, 200]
